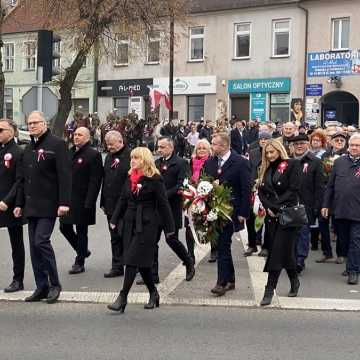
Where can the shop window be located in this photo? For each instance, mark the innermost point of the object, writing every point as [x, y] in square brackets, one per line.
[9, 56]
[242, 40]
[196, 45]
[340, 33]
[195, 108]
[122, 52]
[279, 107]
[8, 103]
[121, 106]
[281, 38]
[153, 50]
[29, 55]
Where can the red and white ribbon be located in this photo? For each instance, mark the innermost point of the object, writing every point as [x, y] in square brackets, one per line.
[282, 167]
[115, 163]
[7, 160]
[305, 168]
[164, 168]
[80, 160]
[41, 155]
[357, 173]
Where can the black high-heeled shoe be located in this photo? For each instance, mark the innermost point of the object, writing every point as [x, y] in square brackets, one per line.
[119, 304]
[154, 300]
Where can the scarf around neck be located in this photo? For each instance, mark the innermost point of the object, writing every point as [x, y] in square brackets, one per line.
[197, 165]
[135, 176]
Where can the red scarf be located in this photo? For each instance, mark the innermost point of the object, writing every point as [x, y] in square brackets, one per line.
[135, 176]
[197, 165]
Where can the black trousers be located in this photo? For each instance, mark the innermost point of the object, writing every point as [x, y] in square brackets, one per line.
[42, 253]
[117, 247]
[78, 240]
[17, 252]
[176, 245]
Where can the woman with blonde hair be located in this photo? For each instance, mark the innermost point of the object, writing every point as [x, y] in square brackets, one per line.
[142, 203]
[279, 186]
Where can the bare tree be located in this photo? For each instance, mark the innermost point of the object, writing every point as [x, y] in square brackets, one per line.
[101, 22]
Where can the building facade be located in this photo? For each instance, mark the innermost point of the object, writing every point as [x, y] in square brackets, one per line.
[333, 62]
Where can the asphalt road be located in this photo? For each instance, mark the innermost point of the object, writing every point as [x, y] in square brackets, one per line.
[89, 332]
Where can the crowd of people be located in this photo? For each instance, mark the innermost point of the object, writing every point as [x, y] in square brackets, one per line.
[282, 166]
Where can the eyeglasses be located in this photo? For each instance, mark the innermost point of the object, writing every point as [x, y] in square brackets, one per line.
[2, 129]
[34, 123]
[339, 140]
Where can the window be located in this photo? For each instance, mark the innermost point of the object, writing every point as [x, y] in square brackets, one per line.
[57, 50]
[122, 52]
[195, 108]
[340, 33]
[9, 56]
[242, 40]
[281, 38]
[121, 106]
[196, 48]
[153, 50]
[30, 55]
[280, 108]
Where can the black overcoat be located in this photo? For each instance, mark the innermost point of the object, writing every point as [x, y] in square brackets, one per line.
[137, 216]
[47, 176]
[87, 173]
[10, 180]
[312, 185]
[174, 172]
[116, 168]
[287, 186]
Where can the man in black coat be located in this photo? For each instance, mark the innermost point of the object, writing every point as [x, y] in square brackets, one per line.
[87, 172]
[238, 142]
[342, 199]
[47, 195]
[311, 192]
[173, 171]
[10, 178]
[116, 168]
[207, 131]
[234, 170]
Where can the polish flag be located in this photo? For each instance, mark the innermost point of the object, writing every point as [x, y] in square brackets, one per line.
[155, 96]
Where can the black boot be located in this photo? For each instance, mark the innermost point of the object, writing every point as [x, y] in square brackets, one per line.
[190, 269]
[295, 285]
[268, 295]
[119, 304]
[154, 300]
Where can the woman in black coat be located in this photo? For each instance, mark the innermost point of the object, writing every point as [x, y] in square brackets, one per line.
[279, 187]
[142, 203]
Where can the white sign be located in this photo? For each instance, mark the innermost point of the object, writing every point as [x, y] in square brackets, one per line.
[188, 85]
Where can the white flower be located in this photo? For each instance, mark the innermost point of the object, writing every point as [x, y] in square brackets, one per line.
[186, 182]
[212, 215]
[198, 207]
[204, 188]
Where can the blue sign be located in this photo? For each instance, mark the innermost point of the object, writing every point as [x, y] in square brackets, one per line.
[258, 107]
[330, 114]
[339, 63]
[271, 85]
[314, 90]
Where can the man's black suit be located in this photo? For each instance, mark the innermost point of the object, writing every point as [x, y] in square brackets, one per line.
[235, 173]
[238, 142]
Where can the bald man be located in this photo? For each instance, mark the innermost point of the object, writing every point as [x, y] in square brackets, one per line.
[87, 173]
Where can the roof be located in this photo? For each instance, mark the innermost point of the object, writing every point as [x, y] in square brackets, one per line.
[218, 5]
[22, 19]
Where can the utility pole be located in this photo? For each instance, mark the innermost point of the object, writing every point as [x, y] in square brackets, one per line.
[2, 77]
[171, 67]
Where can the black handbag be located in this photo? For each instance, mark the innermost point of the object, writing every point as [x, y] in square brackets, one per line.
[293, 216]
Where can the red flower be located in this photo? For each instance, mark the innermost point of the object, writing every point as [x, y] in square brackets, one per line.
[282, 167]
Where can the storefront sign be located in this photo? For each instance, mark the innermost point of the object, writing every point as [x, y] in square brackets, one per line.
[272, 85]
[258, 106]
[115, 88]
[334, 63]
[314, 90]
[190, 85]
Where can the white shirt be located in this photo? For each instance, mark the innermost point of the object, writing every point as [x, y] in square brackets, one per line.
[225, 158]
[193, 138]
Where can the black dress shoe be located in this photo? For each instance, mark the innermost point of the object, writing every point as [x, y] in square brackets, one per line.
[14, 286]
[119, 304]
[54, 293]
[353, 278]
[219, 290]
[114, 273]
[268, 295]
[154, 300]
[190, 270]
[38, 295]
[295, 285]
[77, 269]
[213, 257]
